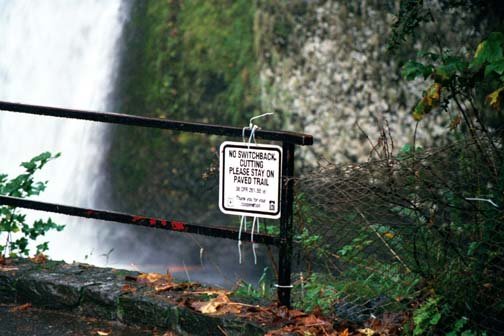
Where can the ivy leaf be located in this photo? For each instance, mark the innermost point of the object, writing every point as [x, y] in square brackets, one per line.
[497, 67]
[494, 99]
[413, 69]
[435, 319]
[29, 166]
[428, 55]
[429, 101]
[489, 50]
[449, 68]
[420, 110]
[433, 96]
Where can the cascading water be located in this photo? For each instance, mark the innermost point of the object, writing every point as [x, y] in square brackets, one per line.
[59, 53]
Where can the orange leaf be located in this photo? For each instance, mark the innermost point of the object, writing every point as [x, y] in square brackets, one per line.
[212, 306]
[128, 289]
[22, 307]
[366, 331]
[153, 277]
[39, 258]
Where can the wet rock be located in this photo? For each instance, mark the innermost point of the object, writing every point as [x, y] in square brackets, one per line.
[100, 298]
[49, 290]
[7, 287]
[143, 310]
[105, 293]
[9, 274]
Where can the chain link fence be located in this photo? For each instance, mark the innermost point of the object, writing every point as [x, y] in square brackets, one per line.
[414, 236]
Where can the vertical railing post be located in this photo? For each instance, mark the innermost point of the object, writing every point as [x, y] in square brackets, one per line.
[286, 229]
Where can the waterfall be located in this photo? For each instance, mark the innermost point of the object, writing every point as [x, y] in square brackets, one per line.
[59, 53]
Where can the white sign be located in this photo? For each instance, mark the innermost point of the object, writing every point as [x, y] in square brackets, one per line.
[249, 179]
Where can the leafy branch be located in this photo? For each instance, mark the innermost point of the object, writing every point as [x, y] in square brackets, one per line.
[13, 223]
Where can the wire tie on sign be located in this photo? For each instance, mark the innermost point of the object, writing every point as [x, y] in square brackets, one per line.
[201, 251]
[283, 286]
[243, 219]
[254, 245]
[253, 127]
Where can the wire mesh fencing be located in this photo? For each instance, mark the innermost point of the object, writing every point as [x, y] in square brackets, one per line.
[415, 236]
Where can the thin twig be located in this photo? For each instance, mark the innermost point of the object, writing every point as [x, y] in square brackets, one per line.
[391, 250]
[222, 330]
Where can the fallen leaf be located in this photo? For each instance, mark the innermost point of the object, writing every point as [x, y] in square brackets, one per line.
[164, 287]
[40, 258]
[8, 268]
[103, 332]
[344, 332]
[161, 287]
[128, 289]
[218, 306]
[154, 277]
[22, 307]
[366, 331]
[294, 313]
[211, 306]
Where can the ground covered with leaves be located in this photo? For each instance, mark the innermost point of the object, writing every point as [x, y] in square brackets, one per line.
[27, 284]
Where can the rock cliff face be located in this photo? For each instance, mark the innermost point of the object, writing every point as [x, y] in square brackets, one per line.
[335, 79]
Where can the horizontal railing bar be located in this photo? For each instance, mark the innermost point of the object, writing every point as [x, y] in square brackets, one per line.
[124, 119]
[118, 217]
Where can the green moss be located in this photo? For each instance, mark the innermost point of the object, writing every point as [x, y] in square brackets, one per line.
[191, 60]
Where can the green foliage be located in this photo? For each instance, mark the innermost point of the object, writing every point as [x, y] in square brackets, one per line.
[453, 245]
[434, 314]
[263, 290]
[411, 14]
[186, 60]
[12, 222]
[427, 316]
[317, 291]
[479, 80]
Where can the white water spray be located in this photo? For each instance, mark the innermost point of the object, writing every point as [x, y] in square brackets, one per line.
[59, 53]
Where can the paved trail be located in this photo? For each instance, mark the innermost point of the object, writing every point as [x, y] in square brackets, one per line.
[36, 322]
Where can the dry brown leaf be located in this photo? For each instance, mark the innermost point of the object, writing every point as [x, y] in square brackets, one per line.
[183, 286]
[8, 268]
[22, 307]
[40, 258]
[103, 332]
[154, 277]
[211, 306]
[211, 292]
[164, 287]
[128, 289]
[344, 332]
[294, 313]
[366, 331]
[218, 306]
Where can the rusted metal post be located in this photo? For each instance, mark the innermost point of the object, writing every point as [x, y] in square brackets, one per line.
[286, 229]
